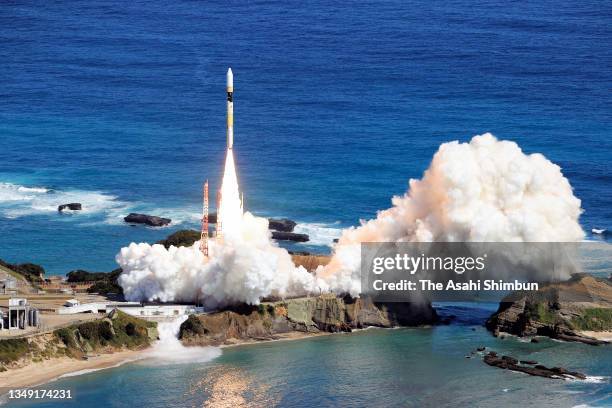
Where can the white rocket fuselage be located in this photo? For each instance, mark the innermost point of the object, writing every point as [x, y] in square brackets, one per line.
[230, 109]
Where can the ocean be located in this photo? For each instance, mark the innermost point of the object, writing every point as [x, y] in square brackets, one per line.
[121, 106]
[416, 367]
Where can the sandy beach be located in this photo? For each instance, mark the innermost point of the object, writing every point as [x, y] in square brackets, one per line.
[602, 335]
[49, 370]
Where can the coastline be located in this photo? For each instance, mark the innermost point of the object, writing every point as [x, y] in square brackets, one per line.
[601, 335]
[39, 373]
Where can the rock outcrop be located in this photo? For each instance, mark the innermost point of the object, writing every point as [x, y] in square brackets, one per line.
[181, 238]
[528, 367]
[558, 310]
[290, 236]
[326, 313]
[281, 224]
[70, 206]
[151, 220]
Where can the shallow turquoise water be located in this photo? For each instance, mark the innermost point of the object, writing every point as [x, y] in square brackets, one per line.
[375, 367]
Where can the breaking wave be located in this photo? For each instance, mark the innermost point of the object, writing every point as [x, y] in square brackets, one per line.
[18, 201]
[320, 234]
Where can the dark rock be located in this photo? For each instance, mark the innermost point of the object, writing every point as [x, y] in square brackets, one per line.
[335, 240]
[151, 220]
[290, 236]
[181, 238]
[510, 360]
[510, 363]
[481, 348]
[281, 224]
[70, 206]
[535, 340]
[557, 310]
[529, 362]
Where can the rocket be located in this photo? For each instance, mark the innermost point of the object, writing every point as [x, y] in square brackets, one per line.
[230, 109]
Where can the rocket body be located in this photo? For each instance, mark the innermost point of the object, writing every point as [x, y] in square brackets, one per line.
[230, 109]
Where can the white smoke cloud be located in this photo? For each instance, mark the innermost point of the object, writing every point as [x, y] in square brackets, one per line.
[242, 269]
[482, 191]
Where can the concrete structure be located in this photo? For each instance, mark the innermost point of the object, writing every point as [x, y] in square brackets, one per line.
[159, 311]
[19, 315]
[94, 307]
[133, 308]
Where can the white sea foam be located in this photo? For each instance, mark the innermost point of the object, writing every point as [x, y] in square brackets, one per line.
[320, 234]
[169, 350]
[19, 201]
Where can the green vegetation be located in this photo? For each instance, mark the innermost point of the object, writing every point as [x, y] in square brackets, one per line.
[594, 319]
[181, 238]
[105, 283]
[193, 325]
[106, 288]
[13, 349]
[117, 331]
[541, 312]
[31, 272]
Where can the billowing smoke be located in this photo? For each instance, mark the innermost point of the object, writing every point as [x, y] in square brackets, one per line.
[482, 191]
[243, 267]
[244, 264]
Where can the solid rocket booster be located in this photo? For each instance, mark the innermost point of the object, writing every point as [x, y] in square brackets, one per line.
[230, 109]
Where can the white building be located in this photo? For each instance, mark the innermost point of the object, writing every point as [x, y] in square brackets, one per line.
[132, 308]
[19, 315]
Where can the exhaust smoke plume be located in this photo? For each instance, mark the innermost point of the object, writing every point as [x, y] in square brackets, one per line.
[244, 264]
[482, 191]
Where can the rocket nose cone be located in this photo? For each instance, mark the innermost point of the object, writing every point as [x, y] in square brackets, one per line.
[230, 78]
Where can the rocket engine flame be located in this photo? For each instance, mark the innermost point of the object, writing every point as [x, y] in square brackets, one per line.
[243, 263]
[229, 213]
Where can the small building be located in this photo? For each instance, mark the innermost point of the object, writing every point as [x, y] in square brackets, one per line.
[8, 285]
[20, 315]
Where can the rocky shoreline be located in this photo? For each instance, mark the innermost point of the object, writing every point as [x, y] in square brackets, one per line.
[562, 311]
[312, 315]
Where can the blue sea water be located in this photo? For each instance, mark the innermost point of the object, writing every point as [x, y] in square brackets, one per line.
[422, 367]
[121, 106]
[336, 107]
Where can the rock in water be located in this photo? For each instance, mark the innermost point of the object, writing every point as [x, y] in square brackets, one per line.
[510, 363]
[151, 220]
[290, 236]
[70, 206]
[558, 310]
[281, 224]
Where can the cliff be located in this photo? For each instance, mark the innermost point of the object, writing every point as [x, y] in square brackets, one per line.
[322, 314]
[559, 310]
[117, 331]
